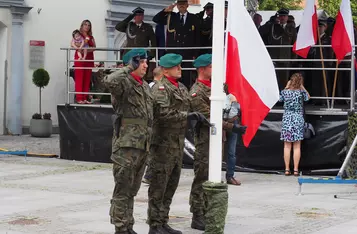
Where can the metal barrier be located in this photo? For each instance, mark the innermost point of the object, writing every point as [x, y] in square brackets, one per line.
[117, 52]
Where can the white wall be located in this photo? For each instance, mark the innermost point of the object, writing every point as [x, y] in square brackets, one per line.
[5, 48]
[54, 25]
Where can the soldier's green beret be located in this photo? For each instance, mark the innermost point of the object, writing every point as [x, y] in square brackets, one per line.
[141, 53]
[203, 61]
[170, 60]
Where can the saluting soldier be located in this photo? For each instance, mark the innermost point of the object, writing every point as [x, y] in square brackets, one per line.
[139, 34]
[133, 107]
[171, 106]
[282, 33]
[200, 102]
[206, 27]
[183, 30]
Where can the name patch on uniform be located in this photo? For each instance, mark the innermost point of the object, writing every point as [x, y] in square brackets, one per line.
[194, 94]
[161, 87]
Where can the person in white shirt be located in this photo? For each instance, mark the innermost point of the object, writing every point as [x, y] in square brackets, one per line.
[231, 114]
[157, 76]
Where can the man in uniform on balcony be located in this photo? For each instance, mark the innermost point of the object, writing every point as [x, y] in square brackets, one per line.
[132, 103]
[206, 27]
[281, 33]
[138, 34]
[183, 30]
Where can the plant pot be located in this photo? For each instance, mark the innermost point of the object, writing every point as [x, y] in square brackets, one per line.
[41, 127]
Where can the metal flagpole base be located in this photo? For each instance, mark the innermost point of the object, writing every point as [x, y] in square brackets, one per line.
[217, 207]
[349, 165]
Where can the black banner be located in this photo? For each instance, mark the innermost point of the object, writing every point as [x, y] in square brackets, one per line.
[86, 134]
[326, 150]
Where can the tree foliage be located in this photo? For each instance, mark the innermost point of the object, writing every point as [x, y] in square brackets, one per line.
[274, 5]
[40, 78]
[332, 7]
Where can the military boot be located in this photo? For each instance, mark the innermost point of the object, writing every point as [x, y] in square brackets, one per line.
[198, 222]
[131, 231]
[157, 230]
[170, 230]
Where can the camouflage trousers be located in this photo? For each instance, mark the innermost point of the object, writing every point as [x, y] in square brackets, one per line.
[148, 168]
[200, 167]
[165, 176]
[128, 170]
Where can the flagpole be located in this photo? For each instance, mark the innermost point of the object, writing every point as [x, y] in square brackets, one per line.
[353, 89]
[216, 191]
[323, 67]
[217, 95]
[334, 85]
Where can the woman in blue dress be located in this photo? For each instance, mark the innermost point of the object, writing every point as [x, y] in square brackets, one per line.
[292, 132]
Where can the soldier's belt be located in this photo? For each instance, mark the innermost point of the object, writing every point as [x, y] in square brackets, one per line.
[143, 122]
[172, 130]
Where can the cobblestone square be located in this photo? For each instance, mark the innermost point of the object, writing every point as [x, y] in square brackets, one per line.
[50, 195]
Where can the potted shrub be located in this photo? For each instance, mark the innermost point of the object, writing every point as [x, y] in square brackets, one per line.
[41, 125]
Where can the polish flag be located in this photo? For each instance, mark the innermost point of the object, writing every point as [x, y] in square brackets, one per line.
[343, 33]
[307, 35]
[250, 73]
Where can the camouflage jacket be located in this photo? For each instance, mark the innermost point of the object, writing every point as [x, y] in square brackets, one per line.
[134, 104]
[200, 102]
[171, 105]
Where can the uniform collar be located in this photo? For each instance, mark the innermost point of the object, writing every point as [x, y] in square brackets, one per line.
[205, 82]
[173, 81]
[137, 78]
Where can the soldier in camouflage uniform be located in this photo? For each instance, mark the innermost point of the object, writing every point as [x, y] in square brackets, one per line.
[200, 102]
[171, 106]
[132, 103]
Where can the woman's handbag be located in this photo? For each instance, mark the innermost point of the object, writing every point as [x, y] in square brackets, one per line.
[309, 131]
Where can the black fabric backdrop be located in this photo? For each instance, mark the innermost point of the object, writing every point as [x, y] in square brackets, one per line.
[86, 134]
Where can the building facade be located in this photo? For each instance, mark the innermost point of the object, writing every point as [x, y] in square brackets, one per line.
[52, 23]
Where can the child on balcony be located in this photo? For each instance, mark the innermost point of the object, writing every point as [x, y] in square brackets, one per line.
[79, 42]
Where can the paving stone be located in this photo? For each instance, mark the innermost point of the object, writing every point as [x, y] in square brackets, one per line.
[41, 195]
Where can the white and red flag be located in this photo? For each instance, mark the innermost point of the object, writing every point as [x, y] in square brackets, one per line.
[250, 73]
[307, 35]
[343, 32]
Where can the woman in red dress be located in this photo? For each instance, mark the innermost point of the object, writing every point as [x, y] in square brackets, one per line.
[83, 76]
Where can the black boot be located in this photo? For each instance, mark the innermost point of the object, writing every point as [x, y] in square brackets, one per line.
[131, 231]
[198, 222]
[157, 230]
[170, 230]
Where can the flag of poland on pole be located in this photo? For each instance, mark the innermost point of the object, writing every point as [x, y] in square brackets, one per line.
[343, 33]
[250, 73]
[307, 35]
